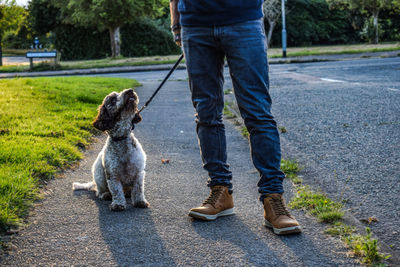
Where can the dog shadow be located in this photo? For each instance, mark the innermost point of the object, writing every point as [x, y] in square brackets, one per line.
[131, 235]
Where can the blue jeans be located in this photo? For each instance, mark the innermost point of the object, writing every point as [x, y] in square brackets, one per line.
[244, 47]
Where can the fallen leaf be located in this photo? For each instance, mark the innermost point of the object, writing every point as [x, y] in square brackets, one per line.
[372, 219]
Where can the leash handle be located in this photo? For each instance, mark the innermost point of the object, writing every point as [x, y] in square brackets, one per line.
[162, 83]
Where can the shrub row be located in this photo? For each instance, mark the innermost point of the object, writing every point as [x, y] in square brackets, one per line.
[142, 38]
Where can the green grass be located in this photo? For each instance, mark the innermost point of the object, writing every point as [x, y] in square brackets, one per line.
[227, 112]
[44, 124]
[291, 168]
[245, 132]
[95, 63]
[282, 129]
[317, 204]
[333, 49]
[363, 246]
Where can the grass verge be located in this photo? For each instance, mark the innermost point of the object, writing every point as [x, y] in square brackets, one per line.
[95, 63]
[333, 50]
[44, 125]
[328, 211]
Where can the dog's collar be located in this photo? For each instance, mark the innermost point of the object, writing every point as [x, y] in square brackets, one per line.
[120, 138]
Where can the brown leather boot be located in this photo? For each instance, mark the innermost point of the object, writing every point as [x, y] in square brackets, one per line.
[278, 217]
[219, 203]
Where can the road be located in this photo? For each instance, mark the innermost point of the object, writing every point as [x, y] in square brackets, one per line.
[343, 123]
[21, 60]
[342, 120]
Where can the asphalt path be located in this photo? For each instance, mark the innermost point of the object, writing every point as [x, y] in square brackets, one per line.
[77, 229]
[343, 125]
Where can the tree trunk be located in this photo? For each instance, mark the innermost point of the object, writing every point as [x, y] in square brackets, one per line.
[1, 56]
[115, 42]
[376, 39]
[270, 31]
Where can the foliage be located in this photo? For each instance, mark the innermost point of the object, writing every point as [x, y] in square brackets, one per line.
[311, 22]
[43, 124]
[76, 42]
[145, 38]
[370, 7]
[291, 168]
[11, 16]
[43, 16]
[109, 14]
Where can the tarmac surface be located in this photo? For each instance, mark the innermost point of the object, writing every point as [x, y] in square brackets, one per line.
[343, 125]
[342, 121]
[70, 228]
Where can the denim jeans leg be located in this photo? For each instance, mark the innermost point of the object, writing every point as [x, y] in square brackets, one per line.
[245, 48]
[205, 60]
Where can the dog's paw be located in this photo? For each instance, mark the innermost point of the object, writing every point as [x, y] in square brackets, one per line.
[141, 204]
[117, 207]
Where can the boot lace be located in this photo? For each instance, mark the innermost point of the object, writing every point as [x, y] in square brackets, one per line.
[213, 197]
[279, 206]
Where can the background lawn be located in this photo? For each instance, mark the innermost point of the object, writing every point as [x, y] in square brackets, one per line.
[45, 124]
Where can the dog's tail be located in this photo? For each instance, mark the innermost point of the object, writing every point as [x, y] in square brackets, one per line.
[90, 186]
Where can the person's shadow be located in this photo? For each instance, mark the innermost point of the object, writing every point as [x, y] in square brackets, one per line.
[266, 249]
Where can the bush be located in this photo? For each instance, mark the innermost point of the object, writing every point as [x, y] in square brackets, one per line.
[145, 38]
[81, 43]
[311, 22]
[18, 40]
[142, 38]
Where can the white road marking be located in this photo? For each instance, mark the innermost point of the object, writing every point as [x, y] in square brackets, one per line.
[332, 80]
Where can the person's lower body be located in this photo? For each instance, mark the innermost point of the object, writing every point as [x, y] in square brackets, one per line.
[244, 47]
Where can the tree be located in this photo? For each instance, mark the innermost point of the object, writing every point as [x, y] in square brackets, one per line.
[370, 7]
[11, 17]
[43, 16]
[272, 12]
[109, 14]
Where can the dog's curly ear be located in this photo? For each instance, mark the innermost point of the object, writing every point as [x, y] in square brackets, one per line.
[137, 118]
[104, 121]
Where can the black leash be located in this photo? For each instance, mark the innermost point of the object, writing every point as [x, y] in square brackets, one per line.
[162, 83]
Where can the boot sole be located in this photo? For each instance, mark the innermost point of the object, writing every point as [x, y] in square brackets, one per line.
[284, 231]
[208, 217]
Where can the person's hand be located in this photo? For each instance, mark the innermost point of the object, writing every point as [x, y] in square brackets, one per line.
[176, 30]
